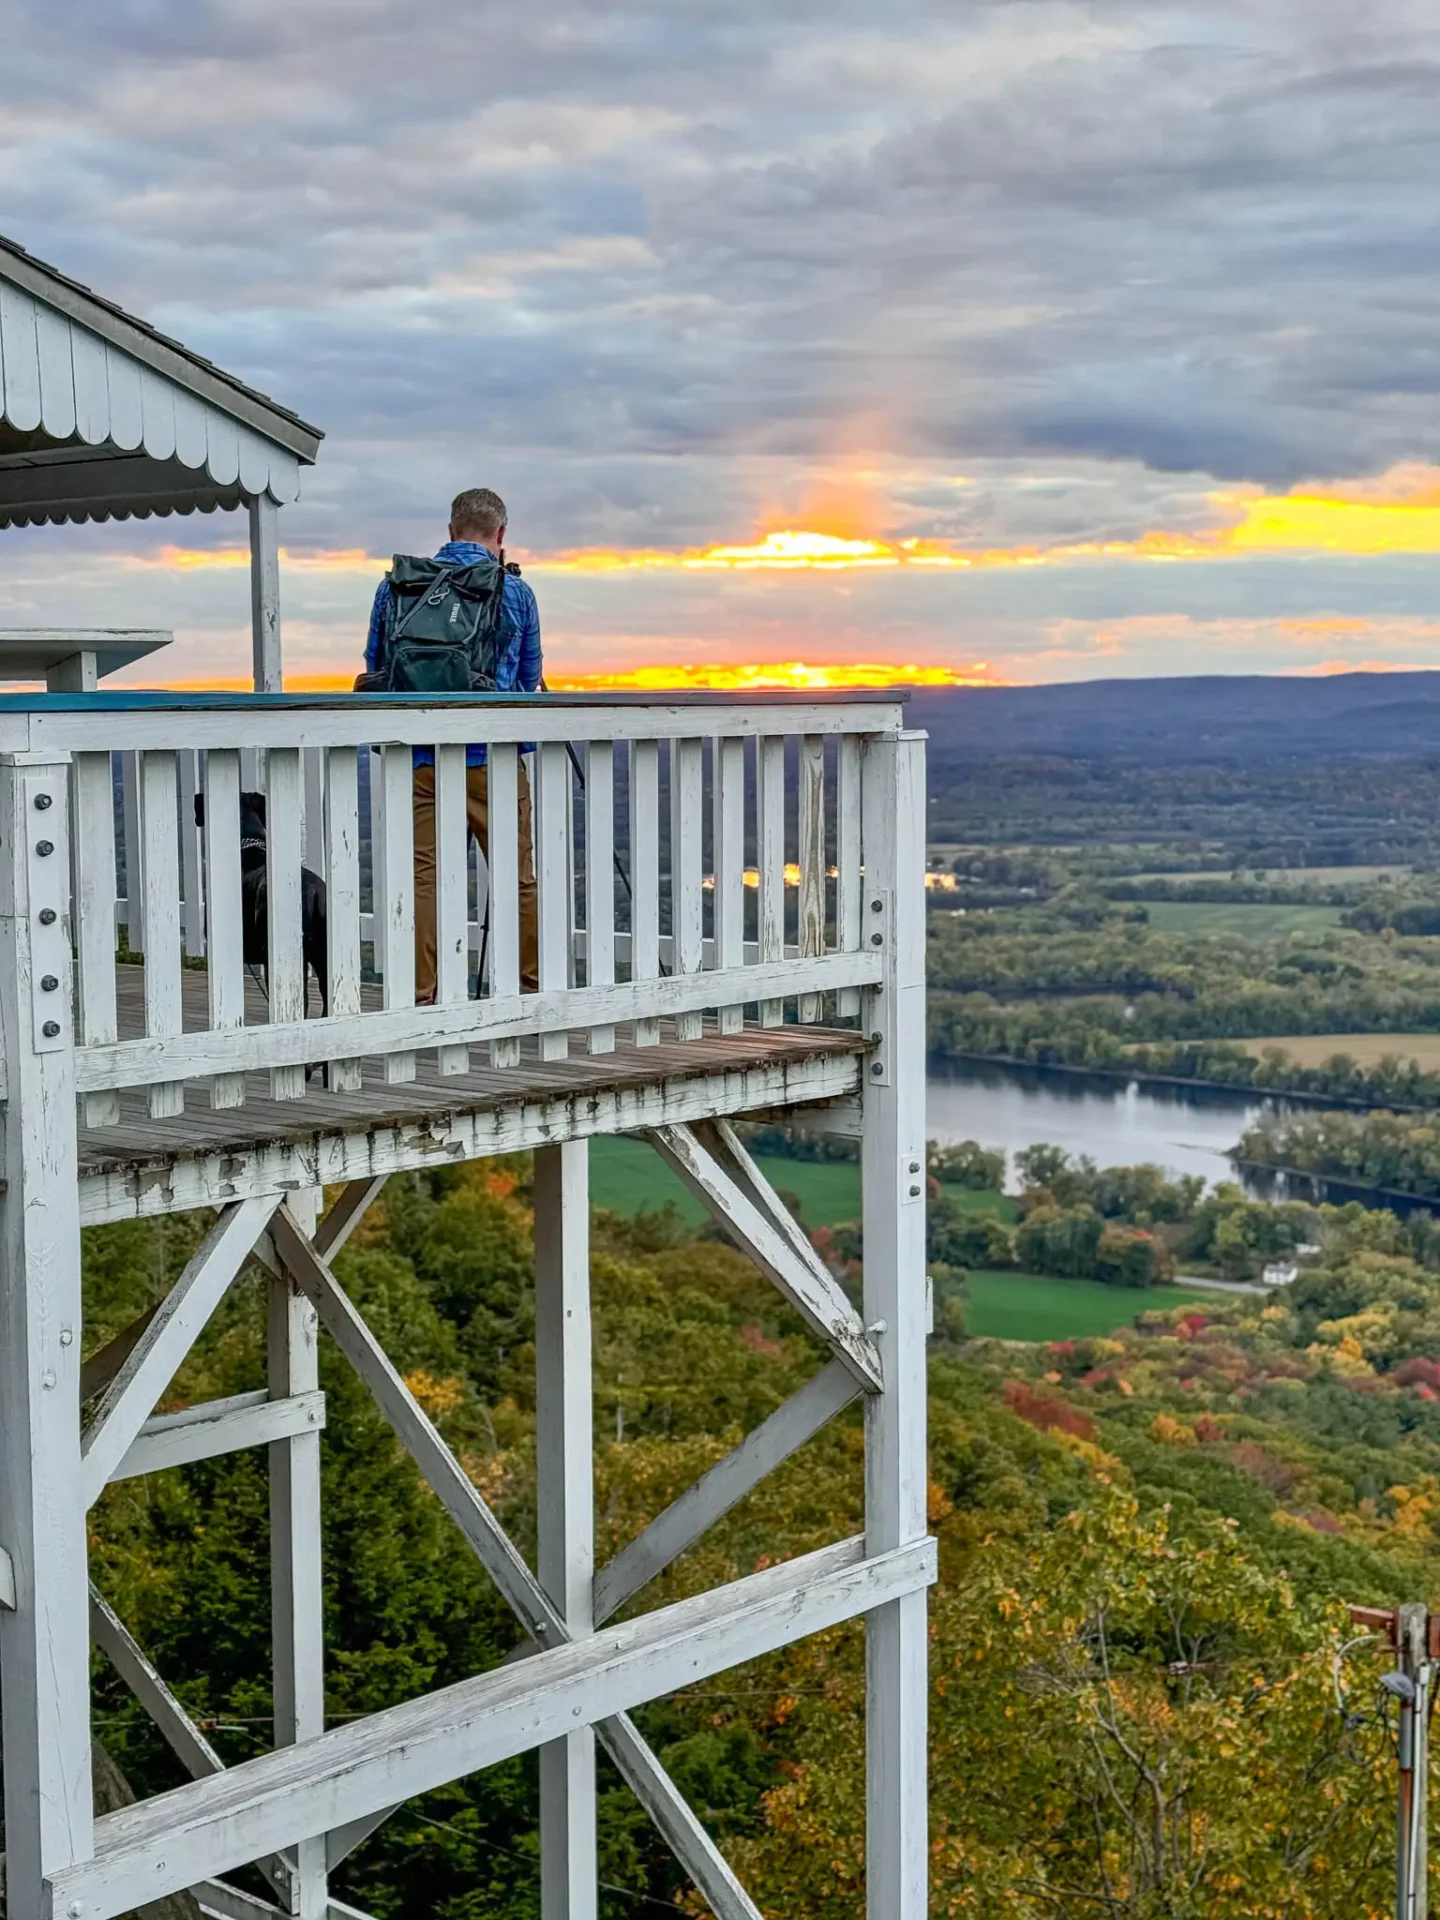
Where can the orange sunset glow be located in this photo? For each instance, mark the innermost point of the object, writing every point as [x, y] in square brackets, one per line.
[783, 676]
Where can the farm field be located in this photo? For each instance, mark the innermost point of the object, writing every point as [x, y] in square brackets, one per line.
[1366, 1049]
[1028, 1306]
[1235, 917]
[1292, 876]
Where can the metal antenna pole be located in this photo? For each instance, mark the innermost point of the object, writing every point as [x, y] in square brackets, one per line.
[1411, 1863]
[1415, 1636]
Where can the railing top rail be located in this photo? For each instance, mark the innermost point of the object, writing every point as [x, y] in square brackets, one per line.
[163, 699]
[63, 724]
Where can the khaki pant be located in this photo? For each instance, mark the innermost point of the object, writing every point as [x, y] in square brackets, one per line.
[477, 814]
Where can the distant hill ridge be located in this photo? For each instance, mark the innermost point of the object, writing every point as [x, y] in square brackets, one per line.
[1205, 717]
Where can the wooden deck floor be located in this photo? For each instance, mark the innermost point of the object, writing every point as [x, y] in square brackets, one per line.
[148, 1166]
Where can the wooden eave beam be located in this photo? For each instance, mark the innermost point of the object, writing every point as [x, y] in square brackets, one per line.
[162, 356]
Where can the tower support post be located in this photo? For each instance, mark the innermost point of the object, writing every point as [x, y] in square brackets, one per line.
[893, 1199]
[45, 1634]
[569, 1875]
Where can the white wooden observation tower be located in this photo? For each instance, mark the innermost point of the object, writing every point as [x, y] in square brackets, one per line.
[703, 985]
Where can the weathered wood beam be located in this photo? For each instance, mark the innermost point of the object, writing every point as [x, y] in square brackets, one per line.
[152, 1362]
[219, 1426]
[697, 1852]
[210, 1826]
[728, 1481]
[806, 1282]
[327, 1155]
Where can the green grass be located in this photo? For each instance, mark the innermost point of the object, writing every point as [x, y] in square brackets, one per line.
[626, 1175]
[1232, 916]
[1028, 1306]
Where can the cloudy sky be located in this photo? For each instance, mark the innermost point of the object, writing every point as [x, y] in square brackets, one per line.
[1092, 338]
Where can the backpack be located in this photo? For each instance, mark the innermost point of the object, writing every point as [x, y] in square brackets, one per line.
[445, 625]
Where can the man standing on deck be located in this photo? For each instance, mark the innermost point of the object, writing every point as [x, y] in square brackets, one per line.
[477, 538]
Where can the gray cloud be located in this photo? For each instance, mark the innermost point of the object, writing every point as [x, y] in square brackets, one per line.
[651, 263]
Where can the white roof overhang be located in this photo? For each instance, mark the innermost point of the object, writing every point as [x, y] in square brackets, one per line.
[103, 418]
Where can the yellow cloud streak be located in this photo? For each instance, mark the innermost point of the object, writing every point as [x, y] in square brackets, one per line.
[780, 676]
[1313, 522]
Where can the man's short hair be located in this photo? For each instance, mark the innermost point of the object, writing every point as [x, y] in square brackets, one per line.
[478, 511]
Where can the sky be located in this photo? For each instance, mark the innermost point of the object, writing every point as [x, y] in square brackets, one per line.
[1014, 340]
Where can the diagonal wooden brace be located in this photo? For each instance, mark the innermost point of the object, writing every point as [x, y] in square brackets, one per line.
[130, 1397]
[728, 1481]
[693, 1846]
[784, 1257]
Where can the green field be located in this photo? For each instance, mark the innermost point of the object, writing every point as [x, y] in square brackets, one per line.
[1233, 916]
[626, 1175]
[1027, 1306]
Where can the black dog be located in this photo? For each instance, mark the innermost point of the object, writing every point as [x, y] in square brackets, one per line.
[254, 921]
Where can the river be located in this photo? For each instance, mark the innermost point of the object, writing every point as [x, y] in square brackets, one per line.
[1183, 1129]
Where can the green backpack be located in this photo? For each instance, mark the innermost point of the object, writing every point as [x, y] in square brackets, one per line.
[445, 625]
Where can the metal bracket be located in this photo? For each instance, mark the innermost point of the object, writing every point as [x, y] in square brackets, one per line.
[875, 1011]
[47, 882]
[7, 1580]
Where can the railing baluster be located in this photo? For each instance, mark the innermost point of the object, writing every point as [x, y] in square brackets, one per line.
[396, 908]
[552, 871]
[812, 862]
[378, 894]
[847, 861]
[160, 917]
[600, 878]
[729, 859]
[770, 797]
[134, 856]
[503, 860]
[92, 842]
[225, 966]
[191, 867]
[645, 874]
[452, 891]
[687, 924]
[340, 780]
[285, 966]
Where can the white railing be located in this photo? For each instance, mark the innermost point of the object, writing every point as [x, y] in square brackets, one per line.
[694, 856]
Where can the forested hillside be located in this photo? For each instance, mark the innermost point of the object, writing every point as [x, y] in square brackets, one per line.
[1145, 1541]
